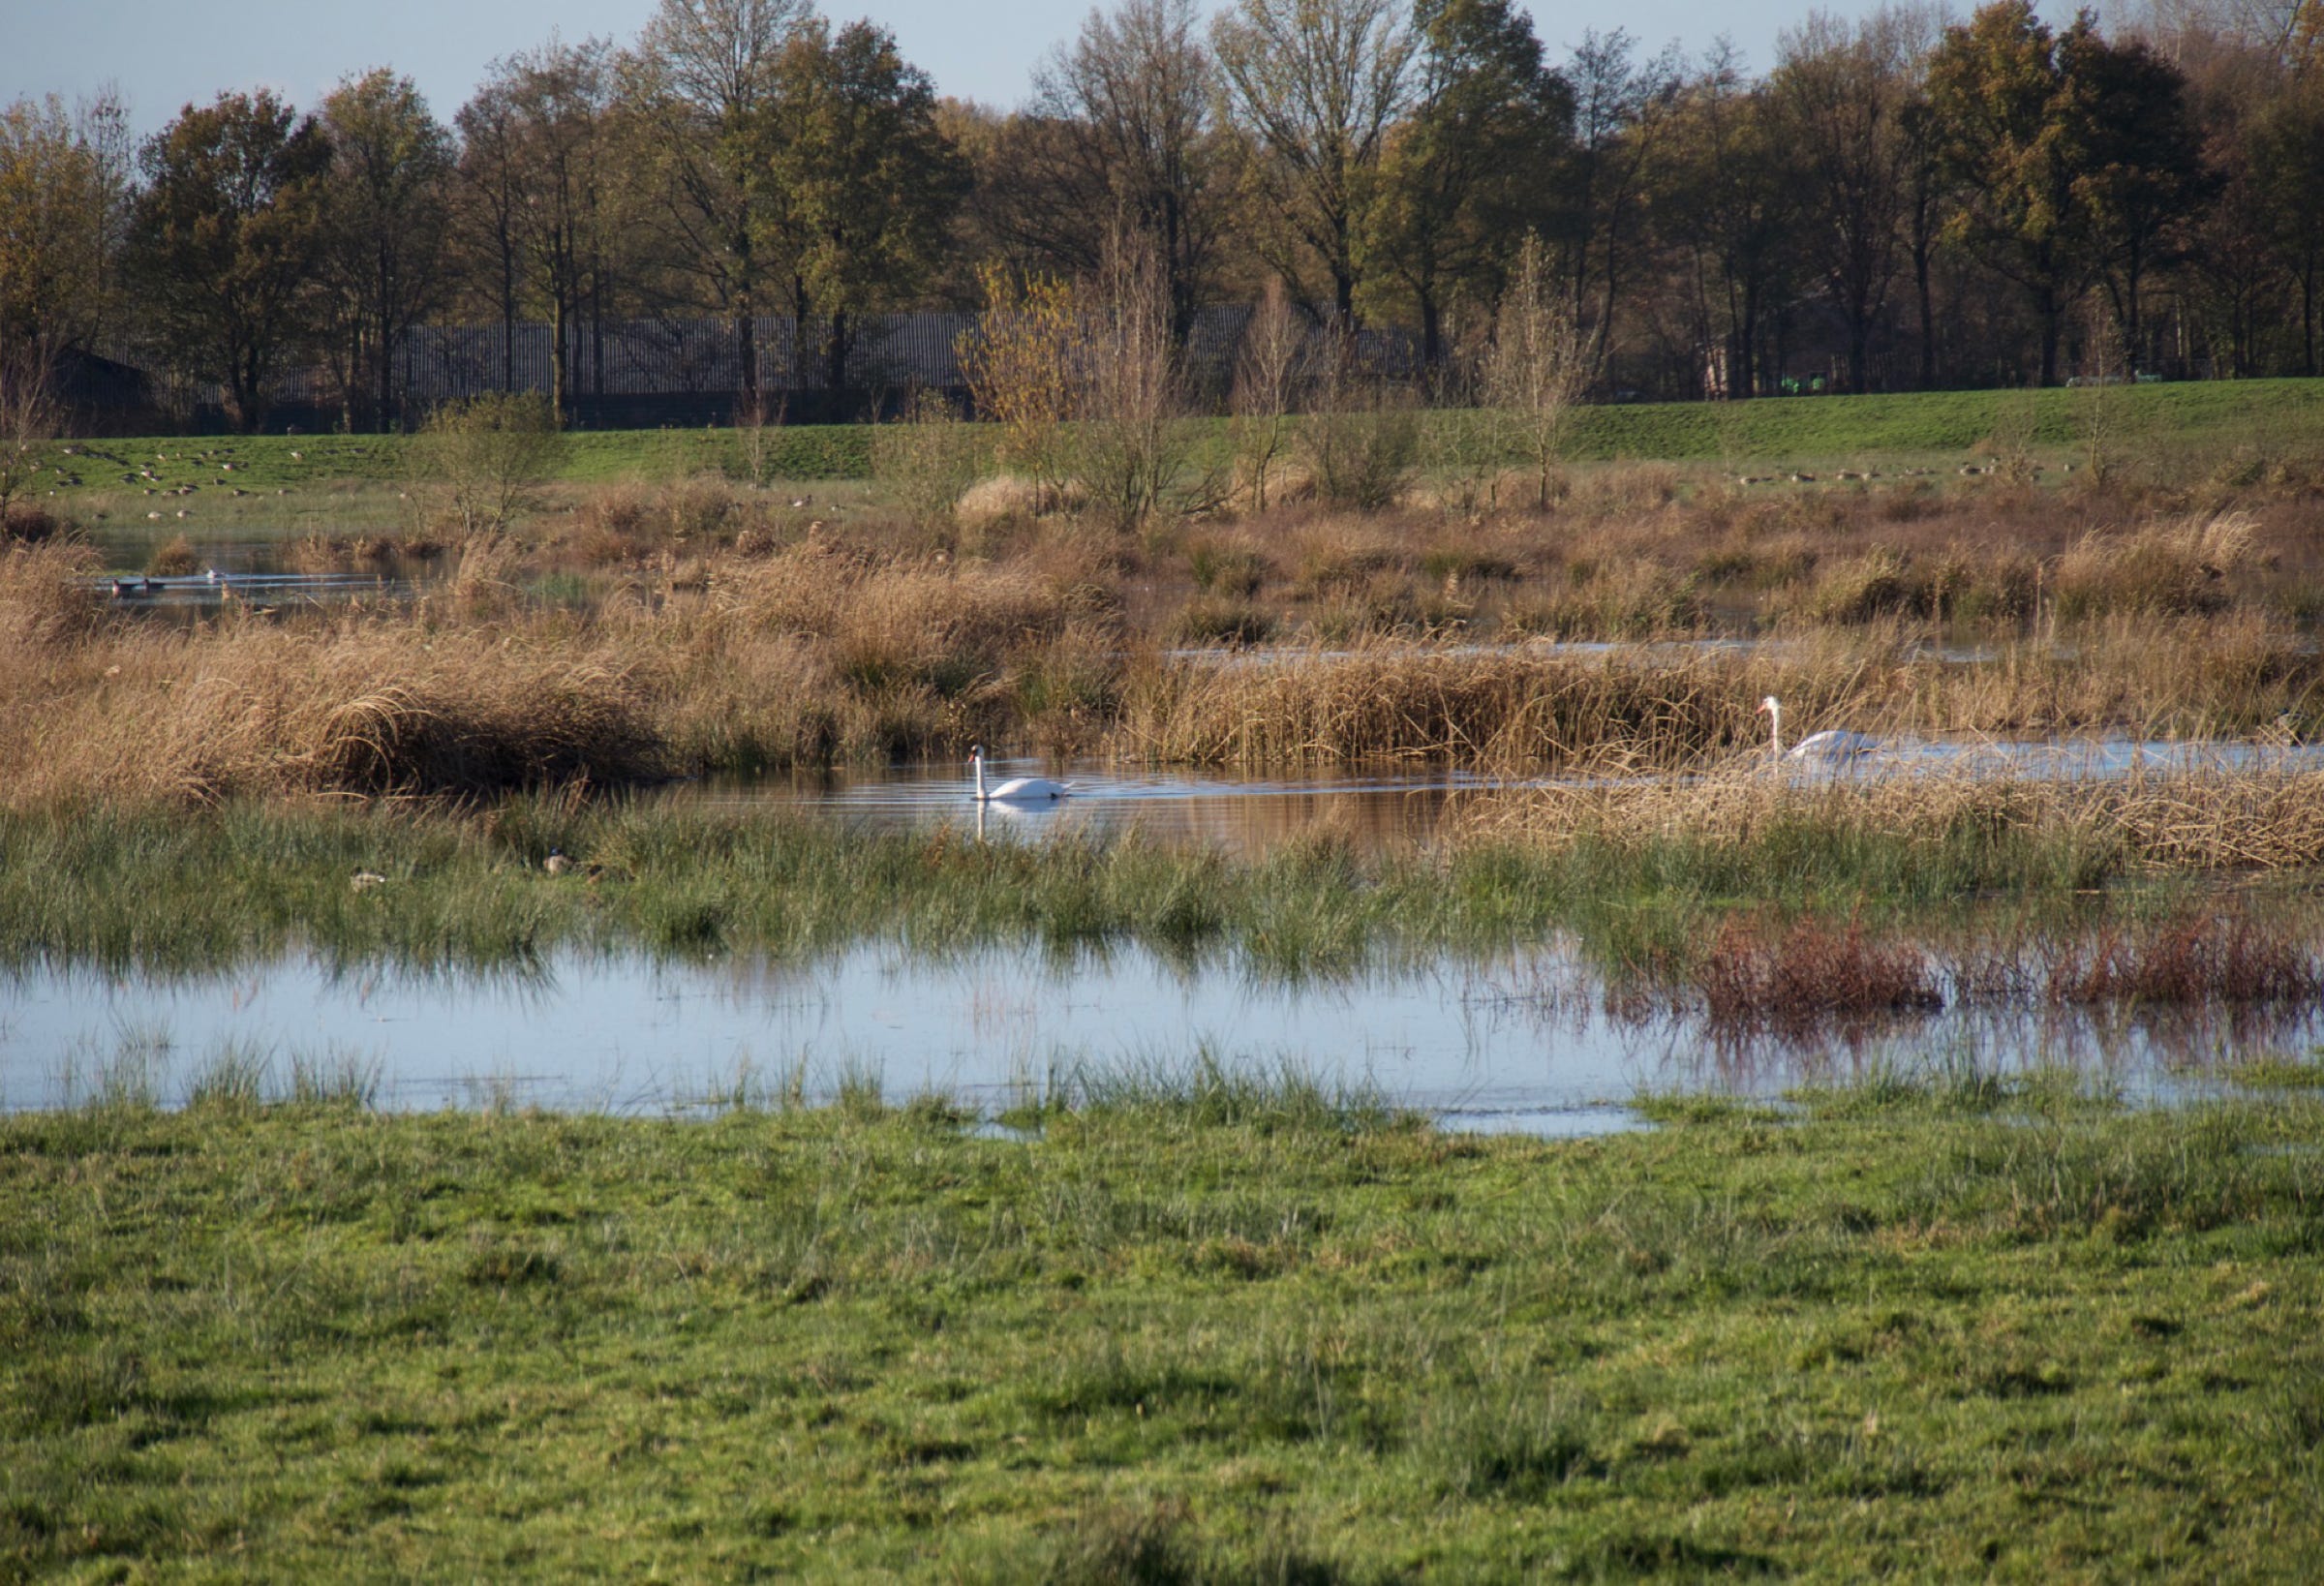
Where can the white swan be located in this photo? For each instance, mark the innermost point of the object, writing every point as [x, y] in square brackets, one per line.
[1017, 789]
[1832, 744]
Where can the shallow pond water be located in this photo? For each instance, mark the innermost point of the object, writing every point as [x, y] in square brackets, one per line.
[1372, 807]
[1526, 1043]
[261, 590]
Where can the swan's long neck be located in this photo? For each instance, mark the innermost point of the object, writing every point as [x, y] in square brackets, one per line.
[1775, 729]
[978, 760]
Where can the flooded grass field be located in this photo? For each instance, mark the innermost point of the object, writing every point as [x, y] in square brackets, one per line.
[793, 937]
[520, 1053]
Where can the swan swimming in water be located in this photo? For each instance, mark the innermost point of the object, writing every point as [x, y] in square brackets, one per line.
[1832, 744]
[1017, 789]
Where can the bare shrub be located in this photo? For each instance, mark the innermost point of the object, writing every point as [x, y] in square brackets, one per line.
[1021, 363]
[928, 462]
[1360, 437]
[484, 459]
[1268, 372]
[2233, 959]
[1537, 366]
[1757, 977]
[28, 422]
[1131, 444]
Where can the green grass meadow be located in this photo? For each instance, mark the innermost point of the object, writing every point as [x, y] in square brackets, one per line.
[1928, 425]
[1193, 1329]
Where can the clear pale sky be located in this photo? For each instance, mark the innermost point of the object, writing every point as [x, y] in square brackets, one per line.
[163, 55]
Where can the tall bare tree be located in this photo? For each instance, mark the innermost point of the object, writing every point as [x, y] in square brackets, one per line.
[541, 154]
[2288, 152]
[698, 86]
[487, 198]
[1841, 94]
[1314, 86]
[1728, 189]
[387, 213]
[1120, 137]
[1621, 108]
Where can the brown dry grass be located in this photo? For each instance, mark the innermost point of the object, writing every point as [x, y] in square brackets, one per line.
[2260, 820]
[357, 708]
[1677, 706]
[809, 656]
[702, 627]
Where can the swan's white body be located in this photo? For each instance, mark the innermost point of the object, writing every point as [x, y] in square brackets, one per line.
[1831, 744]
[1017, 789]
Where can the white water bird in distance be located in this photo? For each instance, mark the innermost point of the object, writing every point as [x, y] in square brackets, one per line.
[1832, 744]
[1017, 789]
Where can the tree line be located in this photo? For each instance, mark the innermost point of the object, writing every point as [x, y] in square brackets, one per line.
[1900, 200]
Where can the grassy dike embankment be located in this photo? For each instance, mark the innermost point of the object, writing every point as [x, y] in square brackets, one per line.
[1821, 429]
[1195, 1329]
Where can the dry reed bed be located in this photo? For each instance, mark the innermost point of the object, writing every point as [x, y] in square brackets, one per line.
[357, 709]
[2252, 820]
[820, 653]
[802, 657]
[1673, 567]
[1676, 707]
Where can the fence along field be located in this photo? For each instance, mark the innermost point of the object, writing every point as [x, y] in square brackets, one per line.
[690, 368]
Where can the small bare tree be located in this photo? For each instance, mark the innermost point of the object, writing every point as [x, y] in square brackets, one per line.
[758, 425]
[926, 460]
[2098, 404]
[28, 420]
[1020, 364]
[485, 458]
[1130, 444]
[1538, 366]
[1267, 369]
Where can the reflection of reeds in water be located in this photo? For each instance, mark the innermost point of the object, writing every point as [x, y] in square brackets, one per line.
[2185, 989]
[1811, 974]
